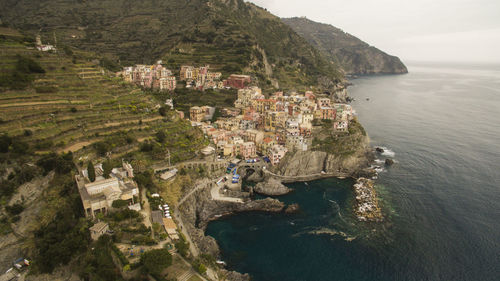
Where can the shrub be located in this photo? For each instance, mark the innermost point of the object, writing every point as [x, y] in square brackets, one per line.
[68, 51]
[102, 148]
[20, 147]
[182, 246]
[146, 147]
[163, 111]
[62, 164]
[46, 89]
[155, 261]
[124, 215]
[161, 136]
[5, 142]
[119, 203]
[27, 65]
[73, 109]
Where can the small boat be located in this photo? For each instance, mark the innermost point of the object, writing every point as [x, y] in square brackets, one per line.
[306, 183]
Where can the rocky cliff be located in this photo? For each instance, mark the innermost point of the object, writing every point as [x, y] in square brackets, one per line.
[199, 209]
[271, 187]
[352, 54]
[330, 161]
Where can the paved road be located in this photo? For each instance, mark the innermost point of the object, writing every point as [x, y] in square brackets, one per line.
[306, 177]
[215, 192]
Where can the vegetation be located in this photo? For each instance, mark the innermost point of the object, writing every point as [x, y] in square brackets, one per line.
[354, 55]
[124, 215]
[119, 204]
[155, 261]
[97, 264]
[231, 36]
[182, 246]
[22, 75]
[91, 171]
[62, 233]
[17, 177]
[341, 144]
[60, 163]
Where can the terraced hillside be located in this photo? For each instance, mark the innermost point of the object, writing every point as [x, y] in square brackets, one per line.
[75, 102]
[231, 35]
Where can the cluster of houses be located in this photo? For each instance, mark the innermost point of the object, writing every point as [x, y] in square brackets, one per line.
[150, 76]
[200, 78]
[269, 126]
[98, 196]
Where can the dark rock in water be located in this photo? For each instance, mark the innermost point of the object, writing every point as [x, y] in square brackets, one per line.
[389, 162]
[293, 208]
[379, 149]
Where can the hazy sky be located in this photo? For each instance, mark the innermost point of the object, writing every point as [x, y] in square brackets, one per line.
[421, 30]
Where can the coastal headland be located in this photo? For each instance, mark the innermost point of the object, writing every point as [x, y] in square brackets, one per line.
[201, 206]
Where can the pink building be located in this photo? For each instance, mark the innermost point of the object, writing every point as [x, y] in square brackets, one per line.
[248, 150]
[276, 153]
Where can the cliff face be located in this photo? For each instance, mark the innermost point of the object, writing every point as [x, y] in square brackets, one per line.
[352, 54]
[200, 209]
[304, 163]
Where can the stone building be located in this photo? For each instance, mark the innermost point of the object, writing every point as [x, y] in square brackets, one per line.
[98, 196]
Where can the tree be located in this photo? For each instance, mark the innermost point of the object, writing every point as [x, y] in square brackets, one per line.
[161, 136]
[163, 111]
[102, 148]
[182, 246]
[5, 142]
[155, 261]
[201, 268]
[107, 166]
[91, 171]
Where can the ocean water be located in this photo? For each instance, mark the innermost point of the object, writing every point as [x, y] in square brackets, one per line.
[441, 124]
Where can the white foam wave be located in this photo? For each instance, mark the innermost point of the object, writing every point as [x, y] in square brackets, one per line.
[387, 152]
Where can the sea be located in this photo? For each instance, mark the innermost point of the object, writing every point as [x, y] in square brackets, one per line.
[441, 199]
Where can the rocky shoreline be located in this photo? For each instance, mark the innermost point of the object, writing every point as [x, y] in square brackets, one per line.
[200, 209]
[367, 207]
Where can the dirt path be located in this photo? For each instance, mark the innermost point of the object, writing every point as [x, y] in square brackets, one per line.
[77, 146]
[146, 211]
[42, 103]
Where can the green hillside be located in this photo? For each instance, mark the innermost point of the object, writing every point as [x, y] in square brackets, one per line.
[75, 103]
[352, 54]
[231, 35]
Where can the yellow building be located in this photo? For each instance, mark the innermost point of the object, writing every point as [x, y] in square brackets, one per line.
[196, 114]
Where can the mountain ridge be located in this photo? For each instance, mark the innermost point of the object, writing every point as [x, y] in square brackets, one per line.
[351, 53]
[231, 35]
